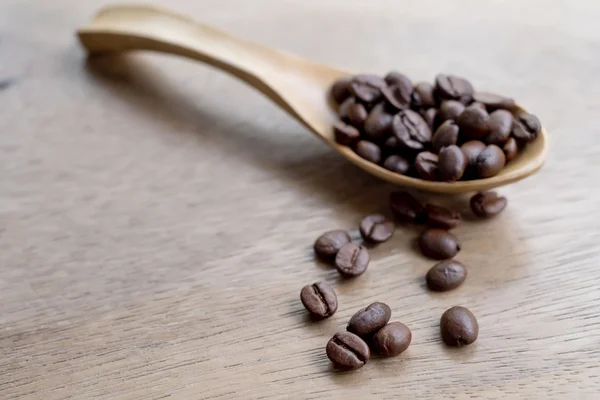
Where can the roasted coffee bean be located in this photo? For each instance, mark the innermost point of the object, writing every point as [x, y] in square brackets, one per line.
[526, 127]
[376, 228]
[405, 207]
[441, 217]
[391, 145]
[379, 123]
[329, 243]
[490, 161]
[396, 163]
[369, 151]
[446, 275]
[340, 90]
[396, 78]
[423, 95]
[430, 116]
[367, 88]
[471, 150]
[357, 114]
[454, 88]
[510, 149]
[370, 319]
[493, 101]
[352, 260]
[450, 109]
[426, 165]
[488, 204]
[345, 134]
[438, 244]
[398, 96]
[345, 107]
[319, 299]
[478, 105]
[474, 123]
[500, 126]
[348, 351]
[445, 135]
[411, 129]
[451, 163]
[459, 327]
[392, 339]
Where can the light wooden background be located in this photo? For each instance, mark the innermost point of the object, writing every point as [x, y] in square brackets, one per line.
[157, 216]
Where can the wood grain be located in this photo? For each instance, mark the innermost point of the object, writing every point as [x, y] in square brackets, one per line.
[157, 217]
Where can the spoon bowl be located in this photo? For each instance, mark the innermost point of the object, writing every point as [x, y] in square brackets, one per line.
[299, 86]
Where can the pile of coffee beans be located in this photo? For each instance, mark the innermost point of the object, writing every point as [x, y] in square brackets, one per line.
[441, 132]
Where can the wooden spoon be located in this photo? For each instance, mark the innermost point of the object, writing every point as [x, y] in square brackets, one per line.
[297, 85]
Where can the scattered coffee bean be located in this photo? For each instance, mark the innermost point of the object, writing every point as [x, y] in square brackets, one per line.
[369, 151]
[340, 90]
[459, 327]
[405, 207]
[398, 95]
[490, 161]
[438, 244]
[510, 149]
[474, 123]
[450, 109]
[376, 228]
[357, 114]
[426, 164]
[392, 339]
[345, 134]
[411, 129]
[430, 116]
[396, 163]
[396, 78]
[423, 95]
[329, 243]
[500, 127]
[445, 135]
[471, 150]
[446, 275]
[352, 260]
[441, 217]
[379, 123]
[319, 299]
[488, 204]
[493, 101]
[370, 319]
[526, 127]
[454, 88]
[348, 351]
[451, 163]
[367, 88]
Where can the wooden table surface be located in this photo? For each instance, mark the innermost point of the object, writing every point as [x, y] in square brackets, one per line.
[157, 216]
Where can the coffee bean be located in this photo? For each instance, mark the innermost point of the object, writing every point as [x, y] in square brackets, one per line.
[510, 149]
[370, 319]
[319, 299]
[348, 351]
[369, 151]
[405, 207]
[379, 123]
[345, 134]
[357, 114]
[441, 217]
[376, 228]
[500, 127]
[426, 165]
[474, 123]
[345, 107]
[396, 163]
[454, 88]
[471, 150]
[438, 244]
[340, 90]
[446, 275]
[526, 127]
[430, 116]
[423, 95]
[398, 96]
[490, 161]
[392, 339]
[459, 327]
[367, 88]
[445, 135]
[488, 204]
[451, 163]
[329, 243]
[396, 78]
[493, 101]
[352, 260]
[450, 109]
[411, 129]
[391, 145]
[478, 105]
